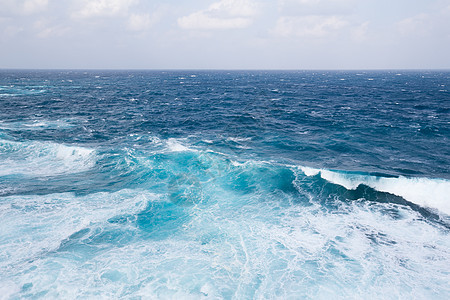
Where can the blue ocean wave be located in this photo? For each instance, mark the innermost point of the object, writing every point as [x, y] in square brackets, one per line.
[229, 185]
[427, 192]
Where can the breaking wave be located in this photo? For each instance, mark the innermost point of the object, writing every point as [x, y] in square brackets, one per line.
[426, 192]
[43, 158]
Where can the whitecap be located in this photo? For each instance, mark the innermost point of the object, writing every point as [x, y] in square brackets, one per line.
[238, 139]
[426, 192]
[310, 171]
[44, 158]
[36, 224]
[38, 124]
[175, 145]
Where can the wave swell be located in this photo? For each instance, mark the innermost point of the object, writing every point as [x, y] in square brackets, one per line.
[426, 192]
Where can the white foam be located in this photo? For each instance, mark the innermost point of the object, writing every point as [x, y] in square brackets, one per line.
[426, 192]
[310, 171]
[35, 224]
[12, 90]
[38, 124]
[174, 145]
[239, 142]
[238, 164]
[7, 289]
[44, 158]
[238, 139]
[269, 249]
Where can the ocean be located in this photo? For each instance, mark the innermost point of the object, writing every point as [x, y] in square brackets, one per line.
[224, 184]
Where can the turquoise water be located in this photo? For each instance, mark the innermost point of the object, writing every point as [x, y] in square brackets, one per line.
[224, 185]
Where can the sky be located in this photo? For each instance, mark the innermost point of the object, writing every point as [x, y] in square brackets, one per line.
[225, 34]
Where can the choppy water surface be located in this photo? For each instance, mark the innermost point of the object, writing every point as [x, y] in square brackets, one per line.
[233, 185]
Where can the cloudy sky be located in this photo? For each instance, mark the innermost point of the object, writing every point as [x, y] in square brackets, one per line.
[225, 34]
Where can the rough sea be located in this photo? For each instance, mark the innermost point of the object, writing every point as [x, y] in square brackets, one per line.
[224, 184]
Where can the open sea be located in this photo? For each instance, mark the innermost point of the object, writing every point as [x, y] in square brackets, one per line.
[224, 184]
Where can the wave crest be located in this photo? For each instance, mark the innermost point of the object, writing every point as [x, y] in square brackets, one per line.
[44, 158]
[426, 192]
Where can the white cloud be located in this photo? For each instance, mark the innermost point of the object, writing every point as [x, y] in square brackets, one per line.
[33, 6]
[435, 23]
[359, 33]
[234, 7]
[103, 8]
[139, 22]
[315, 7]
[18, 7]
[53, 31]
[314, 26]
[201, 20]
[225, 14]
[12, 30]
[46, 30]
[419, 24]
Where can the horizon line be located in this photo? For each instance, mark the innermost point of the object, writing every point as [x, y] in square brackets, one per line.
[219, 69]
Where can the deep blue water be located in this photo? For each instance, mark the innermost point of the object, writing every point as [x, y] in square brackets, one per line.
[224, 185]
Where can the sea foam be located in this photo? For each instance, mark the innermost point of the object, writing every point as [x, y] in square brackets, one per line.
[174, 145]
[35, 125]
[426, 192]
[37, 225]
[44, 158]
